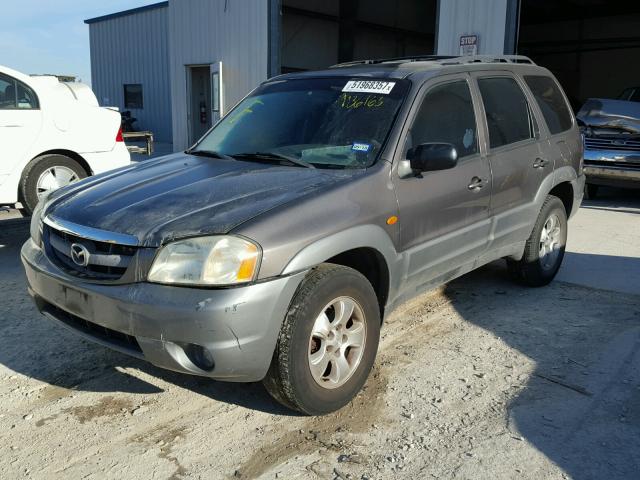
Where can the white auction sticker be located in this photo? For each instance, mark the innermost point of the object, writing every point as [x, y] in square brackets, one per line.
[369, 86]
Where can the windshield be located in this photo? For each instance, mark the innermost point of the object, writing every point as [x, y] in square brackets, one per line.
[325, 122]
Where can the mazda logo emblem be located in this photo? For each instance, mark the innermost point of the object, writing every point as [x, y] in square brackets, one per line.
[79, 254]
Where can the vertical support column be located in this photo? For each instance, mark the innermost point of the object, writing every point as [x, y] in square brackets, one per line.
[274, 32]
[511, 27]
[485, 18]
[347, 30]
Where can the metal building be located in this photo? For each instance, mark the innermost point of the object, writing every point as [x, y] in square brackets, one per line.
[179, 65]
[130, 65]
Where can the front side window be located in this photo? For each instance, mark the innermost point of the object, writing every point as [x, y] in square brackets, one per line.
[133, 96]
[447, 116]
[16, 95]
[551, 102]
[508, 115]
[326, 122]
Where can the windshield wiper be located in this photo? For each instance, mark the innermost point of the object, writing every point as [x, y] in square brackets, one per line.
[209, 153]
[276, 157]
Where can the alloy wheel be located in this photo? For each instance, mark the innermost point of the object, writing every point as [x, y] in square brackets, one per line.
[337, 342]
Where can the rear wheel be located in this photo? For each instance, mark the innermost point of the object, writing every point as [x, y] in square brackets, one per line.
[47, 173]
[544, 249]
[327, 343]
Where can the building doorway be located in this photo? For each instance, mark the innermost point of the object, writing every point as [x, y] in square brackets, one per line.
[592, 46]
[199, 98]
[316, 34]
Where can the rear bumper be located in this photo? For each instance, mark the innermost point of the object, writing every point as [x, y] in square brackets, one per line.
[100, 162]
[238, 327]
[578, 193]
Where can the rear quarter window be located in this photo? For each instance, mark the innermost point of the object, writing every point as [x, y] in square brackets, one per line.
[551, 102]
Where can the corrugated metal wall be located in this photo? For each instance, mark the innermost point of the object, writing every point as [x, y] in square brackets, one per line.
[134, 49]
[486, 18]
[234, 32]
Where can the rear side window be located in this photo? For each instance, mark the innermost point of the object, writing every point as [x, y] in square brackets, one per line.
[7, 93]
[446, 115]
[551, 102]
[16, 95]
[507, 110]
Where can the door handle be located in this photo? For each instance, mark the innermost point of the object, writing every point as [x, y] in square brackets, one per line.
[476, 184]
[11, 126]
[540, 163]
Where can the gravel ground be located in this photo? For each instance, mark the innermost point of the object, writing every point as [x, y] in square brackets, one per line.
[480, 379]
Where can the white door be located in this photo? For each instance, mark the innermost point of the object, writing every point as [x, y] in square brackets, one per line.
[20, 123]
[217, 92]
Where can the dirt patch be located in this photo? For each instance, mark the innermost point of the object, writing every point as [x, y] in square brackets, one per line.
[320, 432]
[165, 439]
[108, 406]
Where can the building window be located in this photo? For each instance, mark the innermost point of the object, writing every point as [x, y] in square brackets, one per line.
[133, 95]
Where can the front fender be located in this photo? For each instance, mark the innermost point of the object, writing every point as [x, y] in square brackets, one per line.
[362, 236]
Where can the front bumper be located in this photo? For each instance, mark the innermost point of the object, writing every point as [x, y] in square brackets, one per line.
[613, 168]
[238, 326]
[613, 176]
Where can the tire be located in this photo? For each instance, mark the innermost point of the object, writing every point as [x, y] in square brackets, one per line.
[290, 379]
[29, 188]
[590, 191]
[536, 269]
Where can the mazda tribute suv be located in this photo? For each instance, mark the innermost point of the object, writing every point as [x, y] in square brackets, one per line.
[273, 248]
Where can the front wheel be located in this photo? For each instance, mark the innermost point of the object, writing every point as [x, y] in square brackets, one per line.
[46, 173]
[545, 246]
[327, 343]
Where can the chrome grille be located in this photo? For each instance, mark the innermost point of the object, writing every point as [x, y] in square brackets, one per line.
[106, 261]
[603, 143]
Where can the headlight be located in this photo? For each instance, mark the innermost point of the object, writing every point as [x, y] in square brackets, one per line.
[207, 261]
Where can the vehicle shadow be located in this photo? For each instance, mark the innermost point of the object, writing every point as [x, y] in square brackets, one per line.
[580, 406]
[615, 199]
[35, 347]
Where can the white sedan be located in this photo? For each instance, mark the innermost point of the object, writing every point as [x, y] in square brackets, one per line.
[52, 134]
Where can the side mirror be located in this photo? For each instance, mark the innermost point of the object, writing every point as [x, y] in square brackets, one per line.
[428, 157]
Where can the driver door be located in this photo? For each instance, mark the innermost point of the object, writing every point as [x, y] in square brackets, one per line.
[444, 215]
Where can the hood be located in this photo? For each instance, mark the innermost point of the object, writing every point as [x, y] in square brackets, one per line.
[614, 114]
[182, 195]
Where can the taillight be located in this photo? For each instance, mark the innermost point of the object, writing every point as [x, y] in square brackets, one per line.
[119, 137]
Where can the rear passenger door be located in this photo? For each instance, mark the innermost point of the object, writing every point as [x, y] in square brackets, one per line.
[20, 122]
[444, 215]
[518, 164]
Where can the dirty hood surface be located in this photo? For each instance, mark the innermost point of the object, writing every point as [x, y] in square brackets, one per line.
[615, 114]
[183, 195]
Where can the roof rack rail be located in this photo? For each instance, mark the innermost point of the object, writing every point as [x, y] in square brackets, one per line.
[490, 59]
[444, 59]
[413, 58]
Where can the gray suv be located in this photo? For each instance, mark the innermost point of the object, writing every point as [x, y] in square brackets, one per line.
[274, 248]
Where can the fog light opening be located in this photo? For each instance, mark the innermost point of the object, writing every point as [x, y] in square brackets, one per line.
[199, 356]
